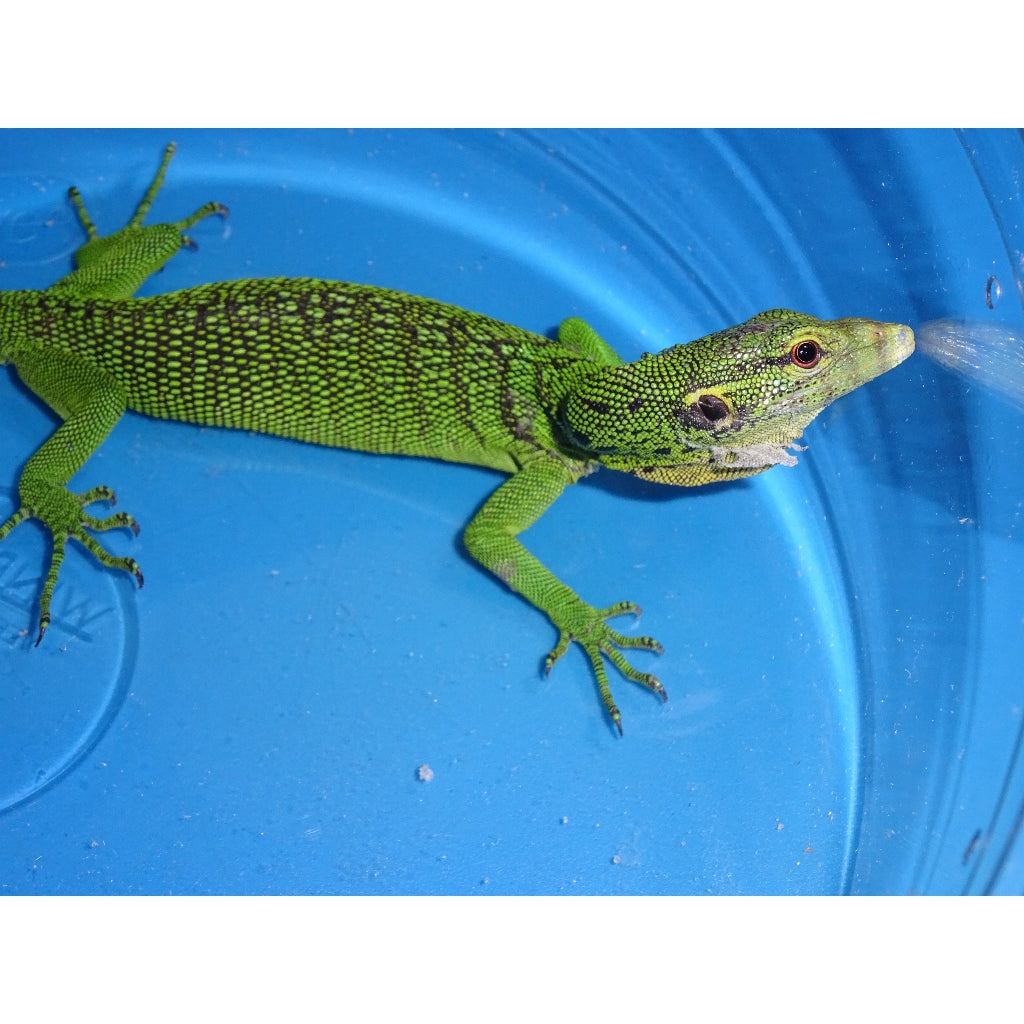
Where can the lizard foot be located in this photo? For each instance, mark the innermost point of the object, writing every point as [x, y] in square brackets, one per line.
[63, 513]
[596, 638]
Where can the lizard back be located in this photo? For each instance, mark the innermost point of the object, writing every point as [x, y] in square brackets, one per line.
[327, 362]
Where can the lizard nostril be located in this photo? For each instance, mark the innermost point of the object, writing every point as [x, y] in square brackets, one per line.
[713, 407]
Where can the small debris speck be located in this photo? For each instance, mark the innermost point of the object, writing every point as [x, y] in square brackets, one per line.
[565, 819]
[616, 859]
[424, 773]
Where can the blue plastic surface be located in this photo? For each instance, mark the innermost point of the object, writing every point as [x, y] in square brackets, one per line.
[842, 639]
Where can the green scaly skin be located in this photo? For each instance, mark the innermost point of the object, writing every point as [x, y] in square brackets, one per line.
[380, 371]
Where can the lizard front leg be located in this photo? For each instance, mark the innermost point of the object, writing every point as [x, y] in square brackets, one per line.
[91, 402]
[490, 538]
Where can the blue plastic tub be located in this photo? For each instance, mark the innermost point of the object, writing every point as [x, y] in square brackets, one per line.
[843, 639]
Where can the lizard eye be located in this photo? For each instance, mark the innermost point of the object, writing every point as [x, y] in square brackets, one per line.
[806, 354]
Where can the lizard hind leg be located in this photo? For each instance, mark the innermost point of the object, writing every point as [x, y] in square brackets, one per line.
[145, 205]
[114, 266]
[92, 402]
[75, 530]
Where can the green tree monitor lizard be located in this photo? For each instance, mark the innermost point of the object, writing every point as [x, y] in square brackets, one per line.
[367, 368]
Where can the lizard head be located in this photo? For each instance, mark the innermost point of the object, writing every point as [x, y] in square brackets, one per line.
[729, 404]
